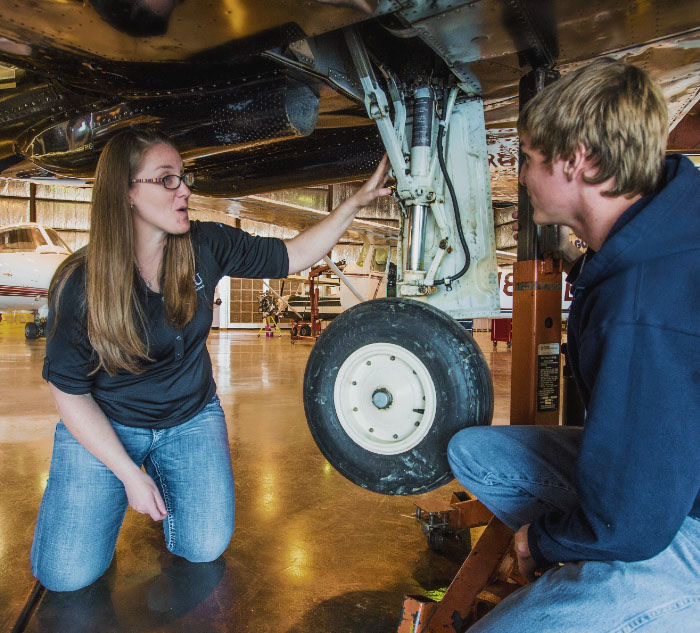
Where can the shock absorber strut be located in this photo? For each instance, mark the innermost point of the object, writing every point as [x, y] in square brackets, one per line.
[420, 167]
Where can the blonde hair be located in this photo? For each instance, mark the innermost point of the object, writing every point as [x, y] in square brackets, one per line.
[116, 321]
[616, 112]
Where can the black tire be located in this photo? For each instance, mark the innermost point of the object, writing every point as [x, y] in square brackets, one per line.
[305, 330]
[436, 540]
[31, 331]
[294, 330]
[403, 330]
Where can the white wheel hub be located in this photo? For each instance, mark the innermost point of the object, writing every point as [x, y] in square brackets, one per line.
[385, 398]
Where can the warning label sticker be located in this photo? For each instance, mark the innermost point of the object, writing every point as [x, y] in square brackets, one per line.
[548, 377]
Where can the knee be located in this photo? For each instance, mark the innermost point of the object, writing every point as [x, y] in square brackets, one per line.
[204, 549]
[468, 451]
[66, 578]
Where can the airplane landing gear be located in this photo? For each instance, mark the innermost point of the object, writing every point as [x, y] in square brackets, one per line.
[387, 385]
[33, 330]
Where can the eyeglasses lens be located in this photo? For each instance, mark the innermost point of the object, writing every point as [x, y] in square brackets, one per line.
[173, 182]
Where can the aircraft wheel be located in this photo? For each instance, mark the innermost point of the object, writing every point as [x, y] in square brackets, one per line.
[305, 330]
[387, 385]
[31, 331]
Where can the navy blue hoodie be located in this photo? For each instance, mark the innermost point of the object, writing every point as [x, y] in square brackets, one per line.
[634, 345]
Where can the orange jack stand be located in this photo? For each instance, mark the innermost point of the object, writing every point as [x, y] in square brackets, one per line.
[486, 577]
[489, 573]
[536, 342]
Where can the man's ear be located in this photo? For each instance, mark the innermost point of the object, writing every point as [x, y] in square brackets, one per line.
[577, 162]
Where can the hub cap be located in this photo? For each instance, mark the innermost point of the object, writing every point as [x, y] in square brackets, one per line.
[385, 398]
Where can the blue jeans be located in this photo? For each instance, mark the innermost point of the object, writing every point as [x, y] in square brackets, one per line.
[84, 503]
[519, 473]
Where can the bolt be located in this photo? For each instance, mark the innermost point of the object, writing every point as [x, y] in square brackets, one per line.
[416, 424]
[354, 408]
[354, 382]
[371, 430]
[369, 362]
[396, 437]
[392, 357]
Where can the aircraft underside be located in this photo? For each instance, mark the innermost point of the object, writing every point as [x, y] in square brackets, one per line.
[279, 97]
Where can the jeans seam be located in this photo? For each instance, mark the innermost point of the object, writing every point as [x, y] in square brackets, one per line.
[492, 479]
[168, 506]
[642, 619]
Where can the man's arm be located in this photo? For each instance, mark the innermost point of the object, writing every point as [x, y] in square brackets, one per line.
[637, 470]
[89, 426]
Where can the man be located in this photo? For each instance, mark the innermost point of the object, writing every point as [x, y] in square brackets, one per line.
[608, 513]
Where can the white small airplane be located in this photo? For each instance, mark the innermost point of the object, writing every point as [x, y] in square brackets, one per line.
[29, 256]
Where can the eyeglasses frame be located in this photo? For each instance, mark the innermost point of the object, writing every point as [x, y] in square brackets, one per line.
[161, 180]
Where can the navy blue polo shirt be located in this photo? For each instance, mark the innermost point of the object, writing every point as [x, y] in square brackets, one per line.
[178, 382]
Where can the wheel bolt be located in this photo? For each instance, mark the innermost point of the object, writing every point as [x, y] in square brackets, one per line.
[371, 430]
[416, 423]
[369, 362]
[354, 382]
[392, 357]
[396, 437]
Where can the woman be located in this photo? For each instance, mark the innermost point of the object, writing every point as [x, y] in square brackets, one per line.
[128, 368]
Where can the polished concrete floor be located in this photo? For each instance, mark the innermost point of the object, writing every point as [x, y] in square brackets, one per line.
[312, 552]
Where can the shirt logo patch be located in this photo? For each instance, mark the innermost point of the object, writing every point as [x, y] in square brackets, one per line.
[198, 282]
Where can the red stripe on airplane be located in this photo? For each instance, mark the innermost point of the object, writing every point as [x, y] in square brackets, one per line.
[18, 291]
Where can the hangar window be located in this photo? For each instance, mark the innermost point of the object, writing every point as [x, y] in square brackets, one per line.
[379, 257]
[363, 254]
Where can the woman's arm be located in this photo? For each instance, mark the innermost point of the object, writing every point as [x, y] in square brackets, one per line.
[308, 247]
[89, 426]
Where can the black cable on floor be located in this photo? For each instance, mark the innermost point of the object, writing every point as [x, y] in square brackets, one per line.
[30, 605]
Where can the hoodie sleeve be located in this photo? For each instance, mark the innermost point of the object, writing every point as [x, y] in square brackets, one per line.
[638, 472]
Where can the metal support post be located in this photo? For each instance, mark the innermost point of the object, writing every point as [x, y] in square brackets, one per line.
[536, 304]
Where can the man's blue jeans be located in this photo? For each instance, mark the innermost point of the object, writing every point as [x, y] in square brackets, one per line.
[520, 472]
[84, 503]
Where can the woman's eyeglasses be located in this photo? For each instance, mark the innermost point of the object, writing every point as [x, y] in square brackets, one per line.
[171, 181]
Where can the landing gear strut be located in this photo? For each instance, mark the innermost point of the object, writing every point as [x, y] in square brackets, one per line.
[390, 381]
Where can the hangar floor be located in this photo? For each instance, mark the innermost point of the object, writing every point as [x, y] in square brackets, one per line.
[312, 553]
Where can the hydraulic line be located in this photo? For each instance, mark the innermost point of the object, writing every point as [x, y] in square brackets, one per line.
[443, 167]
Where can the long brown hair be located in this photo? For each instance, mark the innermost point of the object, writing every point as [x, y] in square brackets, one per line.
[115, 315]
